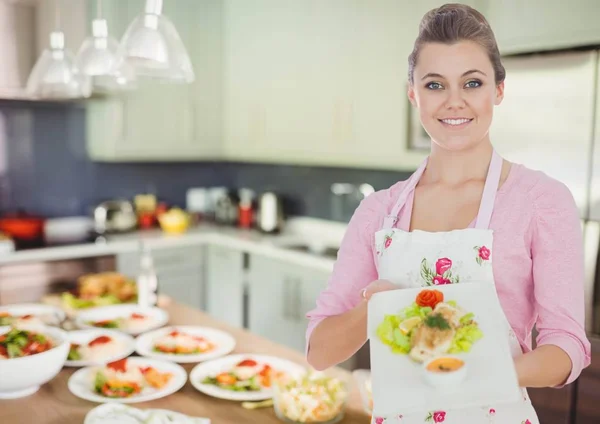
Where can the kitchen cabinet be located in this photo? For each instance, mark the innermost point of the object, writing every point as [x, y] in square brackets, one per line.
[225, 284]
[161, 121]
[328, 89]
[553, 406]
[280, 294]
[180, 272]
[522, 26]
[588, 386]
[595, 178]
[540, 92]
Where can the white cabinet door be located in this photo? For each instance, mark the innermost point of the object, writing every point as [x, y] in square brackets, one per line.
[225, 284]
[529, 127]
[161, 121]
[328, 89]
[180, 272]
[595, 180]
[534, 25]
[275, 306]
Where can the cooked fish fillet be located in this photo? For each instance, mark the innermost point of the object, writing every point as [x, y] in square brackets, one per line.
[428, 341]
[450, 313]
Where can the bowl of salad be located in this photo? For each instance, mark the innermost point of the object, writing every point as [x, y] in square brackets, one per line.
[30, 358]
[312, 397]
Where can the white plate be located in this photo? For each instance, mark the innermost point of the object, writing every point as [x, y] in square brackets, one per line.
[83, 337]
[81, 383]
[55, 315]
[216, 366]
[114, 413]
[224, 341]
[398, 382]
[159, 316]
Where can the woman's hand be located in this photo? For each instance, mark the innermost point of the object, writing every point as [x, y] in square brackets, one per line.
[376, 287]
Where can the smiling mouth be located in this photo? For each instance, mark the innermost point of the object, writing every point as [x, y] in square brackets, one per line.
[456, 122]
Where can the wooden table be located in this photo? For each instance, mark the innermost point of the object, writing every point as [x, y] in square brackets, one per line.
[54, 404]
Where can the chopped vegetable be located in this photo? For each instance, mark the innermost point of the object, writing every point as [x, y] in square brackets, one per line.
[17, 343]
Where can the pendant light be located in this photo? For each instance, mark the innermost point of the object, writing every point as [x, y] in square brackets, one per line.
[55, 74]
[153, 47]
[98, 58]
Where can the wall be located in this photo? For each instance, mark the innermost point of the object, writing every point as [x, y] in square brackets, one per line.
[44, 169]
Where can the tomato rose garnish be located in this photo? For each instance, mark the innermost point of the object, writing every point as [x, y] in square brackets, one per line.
[429, 298]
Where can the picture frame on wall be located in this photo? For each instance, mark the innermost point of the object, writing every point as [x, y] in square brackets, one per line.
[418, 139]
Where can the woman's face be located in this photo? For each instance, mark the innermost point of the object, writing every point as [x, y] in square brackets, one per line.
[455, 91]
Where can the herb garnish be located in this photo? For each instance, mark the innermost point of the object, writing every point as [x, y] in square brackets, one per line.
[437, 321]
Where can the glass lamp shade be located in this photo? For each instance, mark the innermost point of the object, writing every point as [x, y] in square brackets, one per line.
[98, 58]
[152, 46]
[55, 74]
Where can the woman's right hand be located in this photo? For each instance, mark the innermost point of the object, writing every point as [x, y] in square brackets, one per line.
[376, 287]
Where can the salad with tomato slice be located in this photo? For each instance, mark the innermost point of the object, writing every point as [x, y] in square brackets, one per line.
[119, 379]
[180, 343]
[133, 322]
[246, 376]
[17, 343]
[97, 349]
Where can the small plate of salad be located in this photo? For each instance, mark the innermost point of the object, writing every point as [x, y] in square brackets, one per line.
[130, 319]
[185, 343]
[128, 380]
[97, 347]
[242, 377]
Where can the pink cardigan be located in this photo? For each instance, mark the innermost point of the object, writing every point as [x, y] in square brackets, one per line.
[538, 262]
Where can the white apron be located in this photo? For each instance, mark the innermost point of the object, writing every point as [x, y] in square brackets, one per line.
[419, 258]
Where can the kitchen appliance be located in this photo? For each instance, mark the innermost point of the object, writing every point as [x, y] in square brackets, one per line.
[226, 208]
[550, 120]
[114, 216]
[26, 230]
[68, 230]
[270, 216]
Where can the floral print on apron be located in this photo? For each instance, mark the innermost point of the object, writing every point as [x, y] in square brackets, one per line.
[420, 259]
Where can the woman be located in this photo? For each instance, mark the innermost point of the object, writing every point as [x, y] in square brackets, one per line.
[464, 195]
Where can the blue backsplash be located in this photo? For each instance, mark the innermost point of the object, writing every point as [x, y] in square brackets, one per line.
[44, 169]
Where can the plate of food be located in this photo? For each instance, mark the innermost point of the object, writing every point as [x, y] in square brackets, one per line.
[128, 380]
[115, 413]
[185, 344]
[95, 290]
[31, 314]
[130, 319]
[97, 347]
[241, 377]
[431, 348]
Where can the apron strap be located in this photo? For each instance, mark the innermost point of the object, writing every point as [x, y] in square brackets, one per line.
[488, 198]
[391, 219]
[489, 192]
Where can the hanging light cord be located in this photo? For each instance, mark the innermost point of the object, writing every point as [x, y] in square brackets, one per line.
[99, 9]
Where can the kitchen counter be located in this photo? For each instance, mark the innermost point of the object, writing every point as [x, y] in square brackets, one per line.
[319, 233]
[54, 404]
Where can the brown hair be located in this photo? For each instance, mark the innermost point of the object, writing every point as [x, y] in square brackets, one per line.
[452, 23]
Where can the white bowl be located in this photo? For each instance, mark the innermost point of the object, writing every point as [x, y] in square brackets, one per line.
[445, 380]
[51, 315]
[21, 377]
[159, 317]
